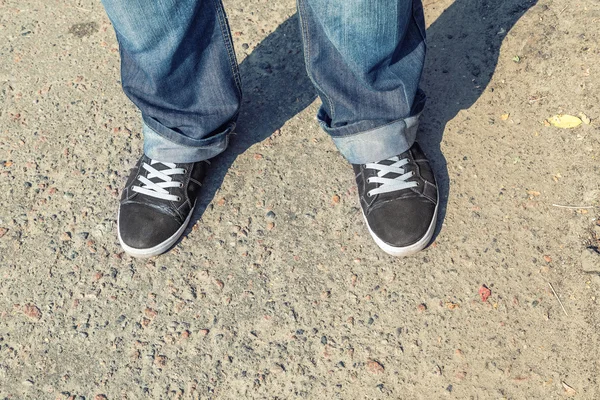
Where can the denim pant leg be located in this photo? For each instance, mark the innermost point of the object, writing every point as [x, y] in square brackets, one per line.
[365, 58]
[179, 68]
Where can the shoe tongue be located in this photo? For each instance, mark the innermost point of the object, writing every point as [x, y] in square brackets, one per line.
[159, 166]
[386, 162]
[390, 175]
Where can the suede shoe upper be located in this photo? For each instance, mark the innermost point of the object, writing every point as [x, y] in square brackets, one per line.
[398, 197]
[157, 201]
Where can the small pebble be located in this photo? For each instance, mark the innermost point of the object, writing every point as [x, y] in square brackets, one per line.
[375, 367]
[32, 311]
[323, 339]
[160, 361]
[65, 236]
[277, 369]
[535, 303]
[270, 215]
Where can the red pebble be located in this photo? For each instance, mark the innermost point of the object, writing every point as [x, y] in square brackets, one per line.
[484, 292]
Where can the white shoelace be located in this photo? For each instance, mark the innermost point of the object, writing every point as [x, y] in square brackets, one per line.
[159, 190]
[390, 184]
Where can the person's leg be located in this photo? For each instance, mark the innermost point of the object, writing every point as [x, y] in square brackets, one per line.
[178, 66]
[365, 58]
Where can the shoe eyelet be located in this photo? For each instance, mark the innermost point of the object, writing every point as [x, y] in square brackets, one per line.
[178, 198]
[180, 185]
[368, 180]
[185, 171]
[369, 194]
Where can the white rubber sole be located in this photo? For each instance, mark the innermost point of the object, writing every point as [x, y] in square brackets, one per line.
[408, 250]
[159, 248]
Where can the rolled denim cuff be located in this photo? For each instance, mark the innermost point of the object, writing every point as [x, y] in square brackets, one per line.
[174, 147]
[378, 143]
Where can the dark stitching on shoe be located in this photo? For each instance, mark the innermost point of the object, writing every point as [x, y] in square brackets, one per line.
[138, 173]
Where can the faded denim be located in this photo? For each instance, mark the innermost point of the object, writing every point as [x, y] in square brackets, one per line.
[365, 58]
[178, 66]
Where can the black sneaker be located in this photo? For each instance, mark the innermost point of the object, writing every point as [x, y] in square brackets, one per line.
[157, 204]
[399, 200]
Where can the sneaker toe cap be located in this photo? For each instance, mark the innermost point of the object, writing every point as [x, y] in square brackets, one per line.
[404, 224]
[143, 227]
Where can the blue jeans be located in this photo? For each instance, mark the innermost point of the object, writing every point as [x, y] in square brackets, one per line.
[365, 58]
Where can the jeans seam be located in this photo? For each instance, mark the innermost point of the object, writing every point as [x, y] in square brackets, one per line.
[301, 10]
[396, 121]
[414, 18]
[183, 144]
[350, 135]
[226, 33]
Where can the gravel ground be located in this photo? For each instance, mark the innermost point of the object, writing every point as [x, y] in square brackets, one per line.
[278, 291]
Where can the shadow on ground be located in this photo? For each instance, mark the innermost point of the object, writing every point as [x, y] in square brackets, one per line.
[275, 88]
[463, 49]
[464, 44]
